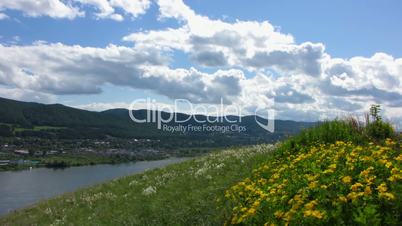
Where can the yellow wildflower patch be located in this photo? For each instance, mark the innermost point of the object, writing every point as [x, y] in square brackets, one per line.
[297, 187]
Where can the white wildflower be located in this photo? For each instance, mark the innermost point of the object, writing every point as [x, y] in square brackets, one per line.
[149, 191]
[132, 183]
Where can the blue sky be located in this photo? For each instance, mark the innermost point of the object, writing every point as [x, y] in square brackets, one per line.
[335, 47]
[348, 28]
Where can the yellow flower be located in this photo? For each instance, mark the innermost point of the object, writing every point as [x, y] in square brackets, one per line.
[370, 180]
[313, 184]
[388, 164]
[367, 191]
[278, 214]
[387, 195]
[395, 177]
[339, 143]
[297, 197]
[354, 195]
[399, 158]
[239, 220]
[356, 186]
[310, 177]
[268, 224]
[347, 179]
[366, 172]
[383, 161]
[251, 211]
[343, 199]
[382, 188]
[332, 166]
[394, 171]
[262, 181]
[313, 213]
[311, 205]
[389, 142]
[328, 171]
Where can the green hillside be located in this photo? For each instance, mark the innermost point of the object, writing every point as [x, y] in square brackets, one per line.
[351, 178]
[24, 119]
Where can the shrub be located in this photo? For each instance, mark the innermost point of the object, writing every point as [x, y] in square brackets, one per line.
[379, 130]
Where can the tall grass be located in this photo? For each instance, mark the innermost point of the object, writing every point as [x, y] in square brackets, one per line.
[349, 129]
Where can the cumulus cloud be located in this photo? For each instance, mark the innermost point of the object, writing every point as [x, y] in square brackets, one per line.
[305, 58]
[215, 43]
[106, 9]
[51, 8]
[59, 69]
[253, 64]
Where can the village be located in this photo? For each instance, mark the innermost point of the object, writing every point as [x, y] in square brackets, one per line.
[20, 154]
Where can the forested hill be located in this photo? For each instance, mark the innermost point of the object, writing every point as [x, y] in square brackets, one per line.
[55, 120]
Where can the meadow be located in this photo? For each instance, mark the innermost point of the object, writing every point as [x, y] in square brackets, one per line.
[340, 172]
[188, 193]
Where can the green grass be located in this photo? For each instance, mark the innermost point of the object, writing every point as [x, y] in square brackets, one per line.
[347, 130]
[187, 193]
[192, 192]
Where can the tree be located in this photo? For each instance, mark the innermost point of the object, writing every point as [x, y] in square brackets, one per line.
[375, 112]
[6, 131]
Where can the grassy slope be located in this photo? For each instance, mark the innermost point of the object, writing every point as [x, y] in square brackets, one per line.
[185, 194]
[192, 193]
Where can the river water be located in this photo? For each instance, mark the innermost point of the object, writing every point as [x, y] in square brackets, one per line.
[23, 188]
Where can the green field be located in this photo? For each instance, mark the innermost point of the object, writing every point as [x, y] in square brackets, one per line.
[339, 173]
[38, 128]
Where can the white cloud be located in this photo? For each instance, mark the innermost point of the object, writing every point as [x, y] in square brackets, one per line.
[106, 9]
[3, 16]
[215, 43]
[51, 8]
[102, 106]
[132, 7]
[26, 95]
[306, 82]
[380, 71]
[59, 69]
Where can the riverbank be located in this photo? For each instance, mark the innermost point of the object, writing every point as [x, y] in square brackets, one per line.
[65, 160]
[185, 191]
[22, 188]
[59, 161]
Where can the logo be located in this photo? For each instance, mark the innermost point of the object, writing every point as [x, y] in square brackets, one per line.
[198, 117]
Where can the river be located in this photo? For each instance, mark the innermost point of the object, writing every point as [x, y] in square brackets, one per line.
[19, 189]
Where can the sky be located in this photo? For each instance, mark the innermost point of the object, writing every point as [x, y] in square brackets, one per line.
[308, 60]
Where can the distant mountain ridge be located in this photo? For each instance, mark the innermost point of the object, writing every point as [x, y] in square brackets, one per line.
[77, 123]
